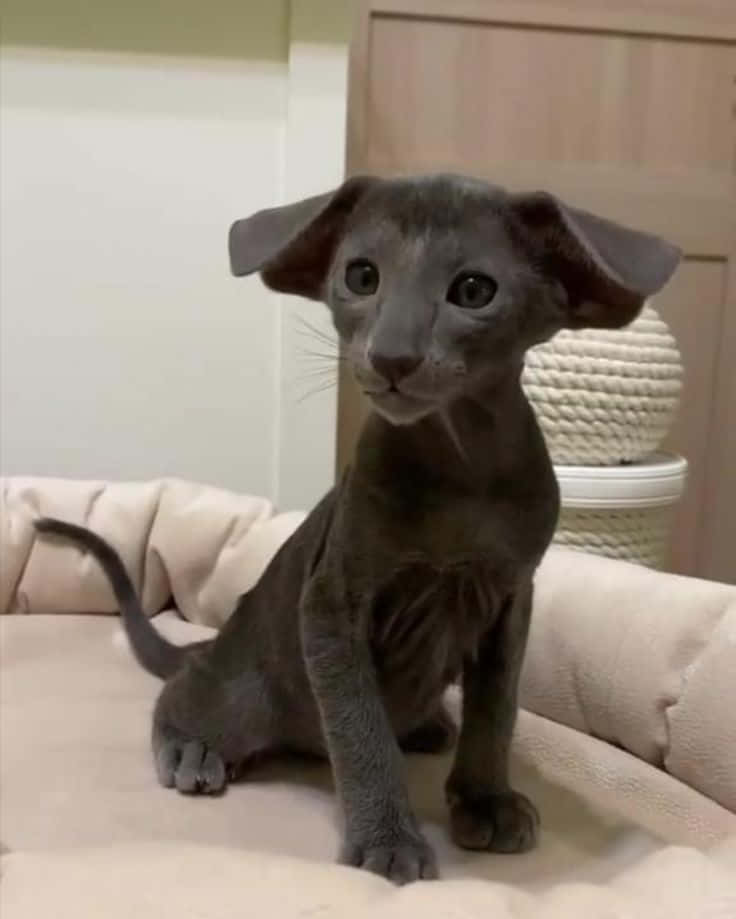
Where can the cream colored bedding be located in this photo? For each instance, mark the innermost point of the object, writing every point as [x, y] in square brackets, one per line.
[627, 741]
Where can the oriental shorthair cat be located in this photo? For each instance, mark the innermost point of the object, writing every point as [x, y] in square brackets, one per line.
[416, 569]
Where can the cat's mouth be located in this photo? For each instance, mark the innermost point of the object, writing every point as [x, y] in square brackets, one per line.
[399, 407]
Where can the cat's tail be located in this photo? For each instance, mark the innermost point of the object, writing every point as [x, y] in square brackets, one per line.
[154, 653]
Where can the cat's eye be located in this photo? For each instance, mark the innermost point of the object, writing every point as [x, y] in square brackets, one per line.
[361, 277]
[472, 291]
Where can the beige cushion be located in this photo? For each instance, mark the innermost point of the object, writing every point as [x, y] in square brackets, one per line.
[200, 545]
[76, 771]
[635, 657]
[643, 660]
[90, 833]
[157, 881]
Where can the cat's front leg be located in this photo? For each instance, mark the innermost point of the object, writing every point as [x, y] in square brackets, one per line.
[381, 832]
[485, 811]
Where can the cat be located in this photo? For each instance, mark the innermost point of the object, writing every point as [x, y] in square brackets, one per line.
[416, 570]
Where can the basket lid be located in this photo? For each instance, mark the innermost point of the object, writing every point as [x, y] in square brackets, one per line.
[656, 481]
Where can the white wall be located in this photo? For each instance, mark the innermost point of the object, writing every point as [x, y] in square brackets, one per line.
[128, 146]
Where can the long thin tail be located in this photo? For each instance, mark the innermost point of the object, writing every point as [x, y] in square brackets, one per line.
[155, 654]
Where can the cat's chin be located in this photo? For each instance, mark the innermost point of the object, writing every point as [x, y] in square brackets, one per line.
[400, 409]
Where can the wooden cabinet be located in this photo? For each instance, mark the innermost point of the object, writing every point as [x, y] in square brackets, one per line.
[626, 108]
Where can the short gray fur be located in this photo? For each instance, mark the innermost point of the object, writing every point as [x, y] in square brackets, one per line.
[416, 569]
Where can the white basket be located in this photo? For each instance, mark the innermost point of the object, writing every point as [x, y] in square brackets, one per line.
[621, 511]
[604, 396]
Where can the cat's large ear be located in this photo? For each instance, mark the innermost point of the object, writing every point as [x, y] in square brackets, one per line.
[607, 270]
[292, 246]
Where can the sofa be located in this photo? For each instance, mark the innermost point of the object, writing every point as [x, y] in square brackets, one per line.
[626, 738]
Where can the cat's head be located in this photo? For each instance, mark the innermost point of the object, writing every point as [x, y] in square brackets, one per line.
[437, 285]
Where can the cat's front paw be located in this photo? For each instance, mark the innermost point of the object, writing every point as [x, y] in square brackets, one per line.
[506, 822]
[402, 860]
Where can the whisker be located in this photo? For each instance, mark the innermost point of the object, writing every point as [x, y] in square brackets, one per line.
[313, 331]
[453, 435]
[318, 389]
[318, 330]
[322, 339]
[317, 372]
[322, 362]
[305, 353]
[322, 347]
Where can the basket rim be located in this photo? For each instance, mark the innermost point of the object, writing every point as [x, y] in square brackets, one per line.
[656, 481]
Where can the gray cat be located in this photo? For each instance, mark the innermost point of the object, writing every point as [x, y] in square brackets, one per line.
[416, 569]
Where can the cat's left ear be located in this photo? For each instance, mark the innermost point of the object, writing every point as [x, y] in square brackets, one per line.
[607, 269]
[293, 246]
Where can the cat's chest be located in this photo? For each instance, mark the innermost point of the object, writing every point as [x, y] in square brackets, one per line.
[450, 535]
[426, 620]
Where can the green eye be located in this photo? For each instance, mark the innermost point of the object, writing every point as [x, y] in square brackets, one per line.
[361, 277]
[472, 291]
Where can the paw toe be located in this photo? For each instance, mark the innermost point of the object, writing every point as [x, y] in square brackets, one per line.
[505, 823]
[403, 862]
[167, 760]
[190, 767]
[212, 774]
[187, 772]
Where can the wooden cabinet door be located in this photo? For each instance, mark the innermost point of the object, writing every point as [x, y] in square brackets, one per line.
[625, 108]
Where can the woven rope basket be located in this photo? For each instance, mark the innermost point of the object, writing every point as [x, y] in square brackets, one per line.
[605, 397]
[640, 535]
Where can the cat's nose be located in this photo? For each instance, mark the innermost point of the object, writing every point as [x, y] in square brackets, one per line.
[394, 367]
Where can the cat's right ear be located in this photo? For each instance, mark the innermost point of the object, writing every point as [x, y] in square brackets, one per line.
[292, 246]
